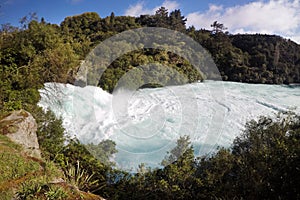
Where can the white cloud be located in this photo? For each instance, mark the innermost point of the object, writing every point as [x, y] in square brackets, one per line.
[170, 5]
[272, 17]
[295, 38]
[140, 9]
[137, 10]
[215, 8]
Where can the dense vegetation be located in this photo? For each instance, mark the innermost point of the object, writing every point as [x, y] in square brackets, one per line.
[38, 52]
[263, 163]
[24, 177]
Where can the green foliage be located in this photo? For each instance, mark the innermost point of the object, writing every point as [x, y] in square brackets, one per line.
[84, 24]
[39, 190]
[7, 194]
[272, 59]
[178, 177]
[51, 171]
[148, 67]
[217, 27]
[174, 181]
[30, 57]
[103, 151]
[51, 134]
[162, 18]
[79, 178]
[41, 52]
[56, 192]
[251, 58]
[269, 157]
[30, 190]
[55, 64]
[21, 175]
[56, 146]
[12, 164]
[183, 145]
[94, 172]
[90, 175]
[262, 164]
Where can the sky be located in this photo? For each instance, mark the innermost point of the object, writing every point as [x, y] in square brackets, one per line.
[280, 17]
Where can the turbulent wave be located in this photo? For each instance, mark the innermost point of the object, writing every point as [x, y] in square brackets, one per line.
[145, 124]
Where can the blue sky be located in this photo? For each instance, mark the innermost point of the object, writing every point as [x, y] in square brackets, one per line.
[281, 17]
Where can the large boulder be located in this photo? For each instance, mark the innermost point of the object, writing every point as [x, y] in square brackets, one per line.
[21, 127]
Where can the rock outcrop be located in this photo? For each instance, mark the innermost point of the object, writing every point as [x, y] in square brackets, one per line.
[21, 127]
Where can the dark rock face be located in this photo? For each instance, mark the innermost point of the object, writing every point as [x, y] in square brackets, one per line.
[21, 127]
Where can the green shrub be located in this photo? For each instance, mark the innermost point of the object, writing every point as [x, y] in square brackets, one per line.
[79, 177]
[56, 192]
[30, 190]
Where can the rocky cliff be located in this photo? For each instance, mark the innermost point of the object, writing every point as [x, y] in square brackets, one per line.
[21, 127]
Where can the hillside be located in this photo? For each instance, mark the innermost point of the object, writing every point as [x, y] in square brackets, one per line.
[242, 58]
[24, 174]
[275, 59]
[45, 52]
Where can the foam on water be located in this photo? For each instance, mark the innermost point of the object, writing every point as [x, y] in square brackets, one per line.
[146, 123]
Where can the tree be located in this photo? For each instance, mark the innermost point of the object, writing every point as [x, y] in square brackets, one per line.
[75, 152]
[161, 17]
[183, 145]
[177, 21]
[178, 177]
[263, 162]
[268, 154]
[84, 24]
[218, 27]
[57, 64]
[103, 151]
[51, 134]
[24, 21]
[112, 18]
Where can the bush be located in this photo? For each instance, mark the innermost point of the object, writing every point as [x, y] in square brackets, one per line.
[79, 177]
[263, 162]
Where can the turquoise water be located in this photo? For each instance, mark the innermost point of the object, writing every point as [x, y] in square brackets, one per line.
[145, 124]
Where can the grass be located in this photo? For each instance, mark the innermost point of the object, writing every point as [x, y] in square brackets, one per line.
[14, 167]
[31, 178]
[5, 142]
[13, 164]
[17, 168]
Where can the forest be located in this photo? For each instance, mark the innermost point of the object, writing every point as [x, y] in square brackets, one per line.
[37, 52]
[263, 163]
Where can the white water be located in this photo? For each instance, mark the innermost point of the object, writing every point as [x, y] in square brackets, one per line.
[146, 124]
